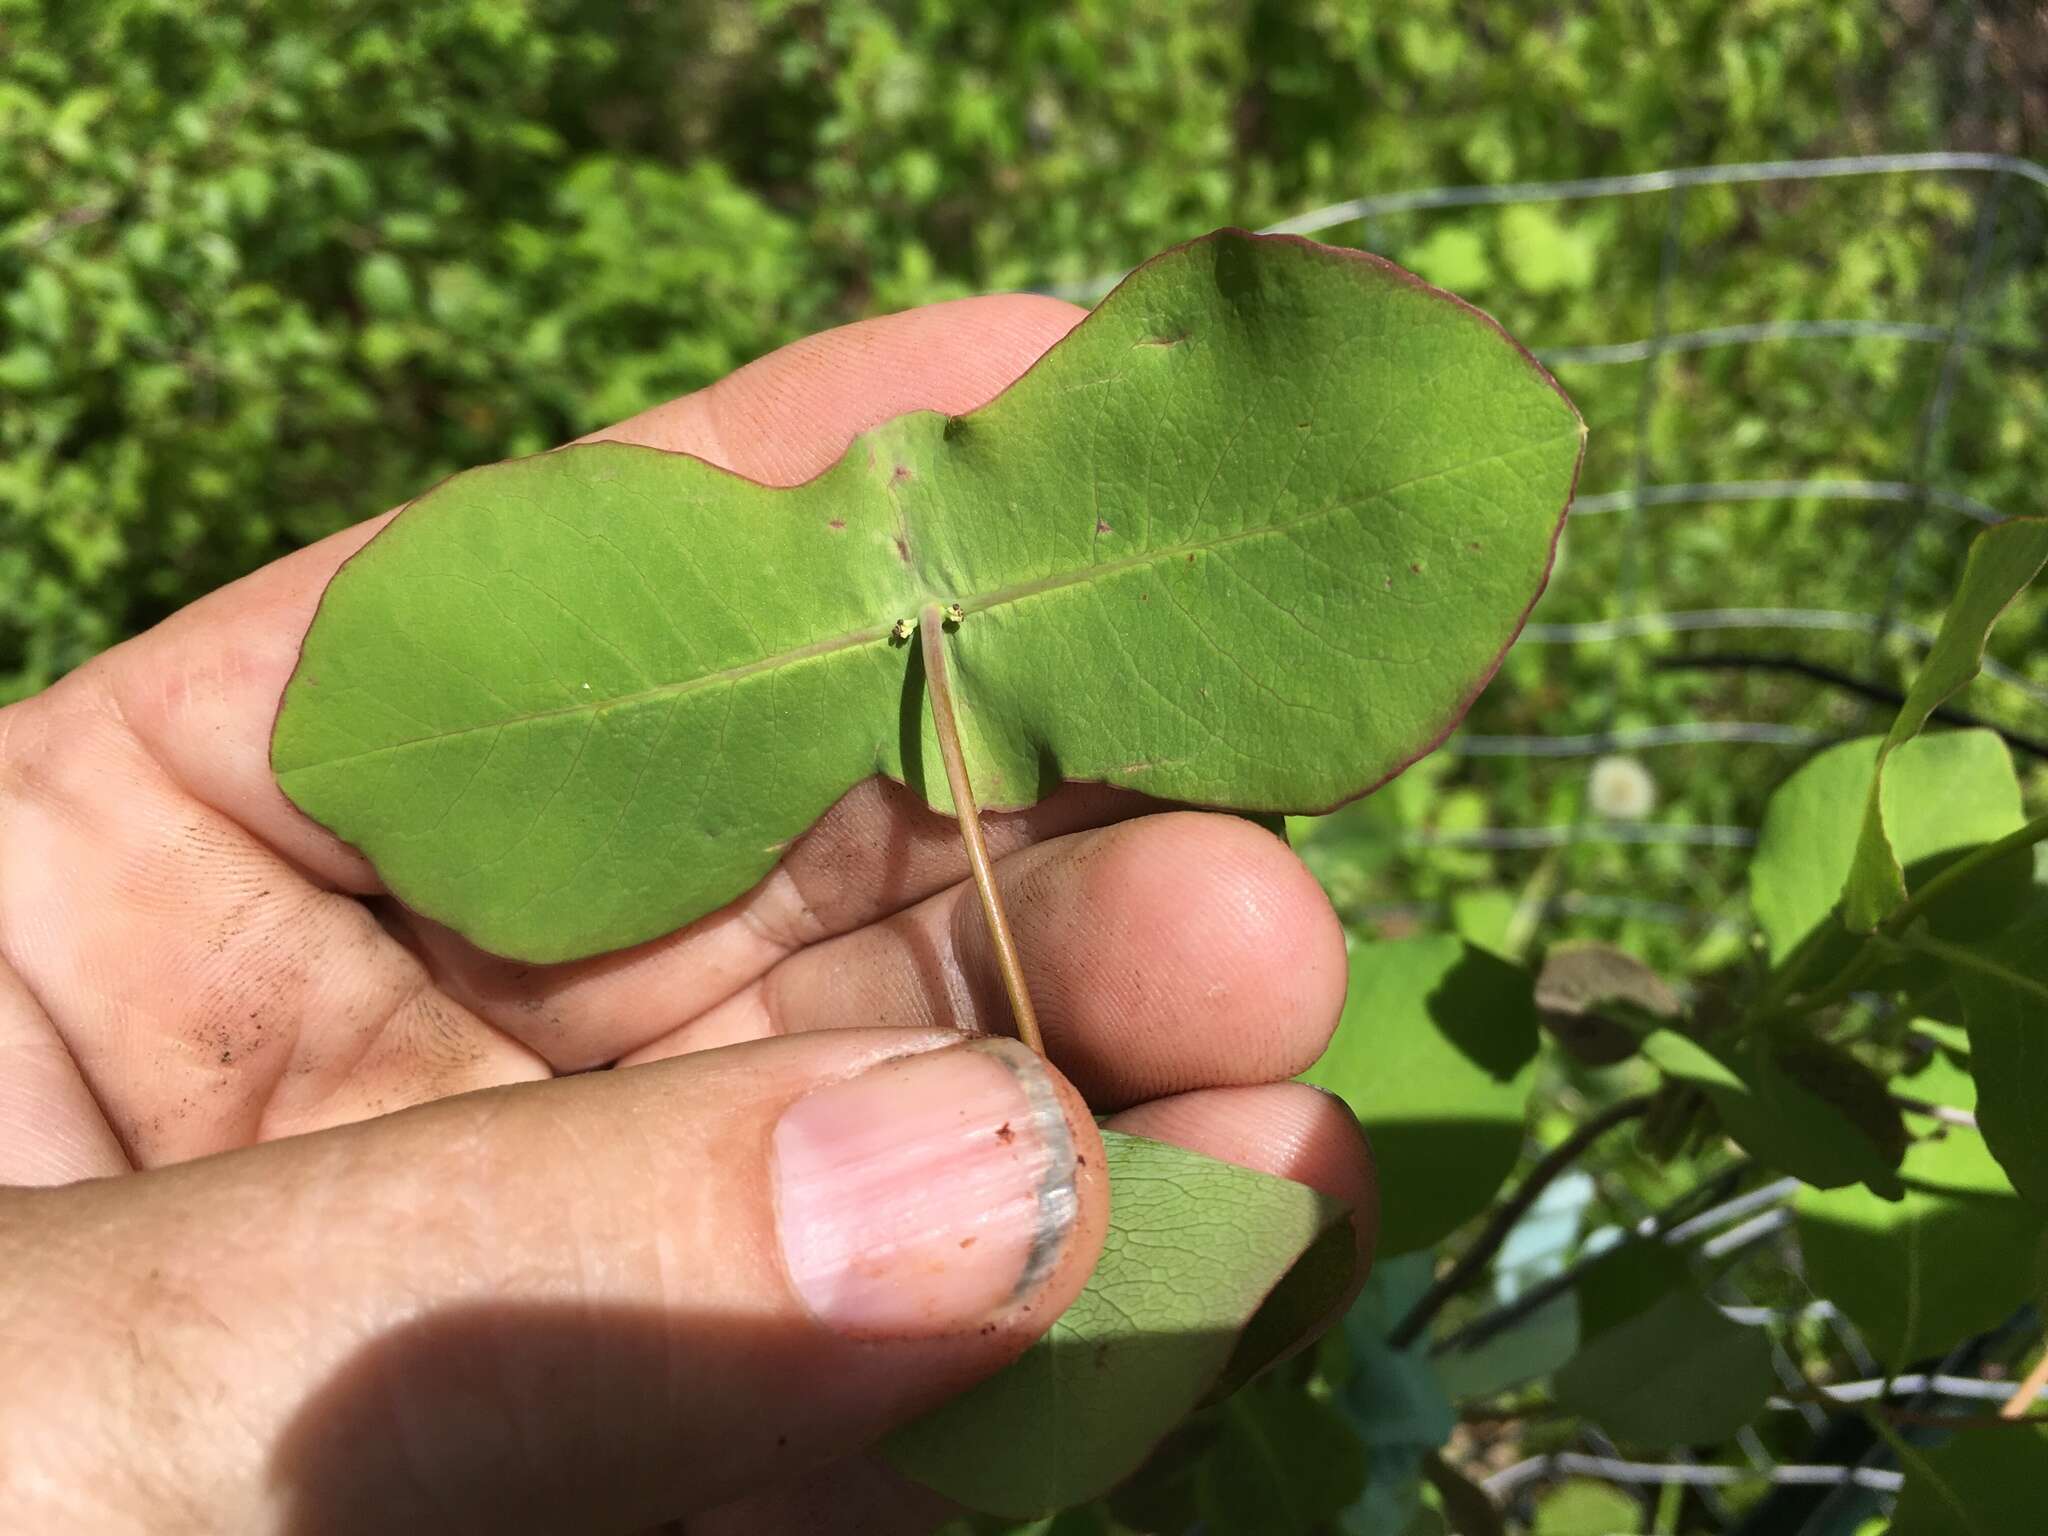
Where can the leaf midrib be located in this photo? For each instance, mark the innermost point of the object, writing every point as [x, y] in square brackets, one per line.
[870, 634]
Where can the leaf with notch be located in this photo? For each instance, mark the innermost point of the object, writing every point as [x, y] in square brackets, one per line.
[1252, 535]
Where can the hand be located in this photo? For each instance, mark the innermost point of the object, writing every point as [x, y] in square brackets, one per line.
[332, 1253]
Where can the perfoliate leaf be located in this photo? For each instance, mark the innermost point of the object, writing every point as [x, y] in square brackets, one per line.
[1918, 1274]
[1980, 1482]
[2003, 984]
[1435, 1053]
[1196, 1247]
[2003, 559]
[1942, 794]
[1801, 1105]
[1252, 535]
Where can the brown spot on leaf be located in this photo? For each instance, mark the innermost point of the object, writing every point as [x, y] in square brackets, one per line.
[1416, 567]
[1101, 526]
[1005, 1135]
[836, 524]
[900, 474]
[902, 549]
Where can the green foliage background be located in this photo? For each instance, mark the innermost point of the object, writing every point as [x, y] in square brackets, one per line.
[268, 267]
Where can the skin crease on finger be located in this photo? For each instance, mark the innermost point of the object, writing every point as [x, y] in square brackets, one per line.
[189, 965]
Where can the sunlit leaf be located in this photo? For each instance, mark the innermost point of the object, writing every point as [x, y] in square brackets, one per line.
[1252, 535]
[2003, 559]
[1435, 1053]
[1942, 793]
[1952, 1257]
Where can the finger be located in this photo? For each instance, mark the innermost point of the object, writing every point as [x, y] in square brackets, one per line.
[592, 1304]
[1286, 1129]
[876, 851]
[201, 689]
[51, 1131]
[208, 993]
[1165, 953]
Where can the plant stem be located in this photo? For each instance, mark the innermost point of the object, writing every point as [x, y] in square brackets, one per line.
[1869, 956]
[2017, 1405]
[938, 683]
[1487, 1244]
[2033, 832]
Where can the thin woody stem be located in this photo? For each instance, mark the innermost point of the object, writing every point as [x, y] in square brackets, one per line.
[939, 685]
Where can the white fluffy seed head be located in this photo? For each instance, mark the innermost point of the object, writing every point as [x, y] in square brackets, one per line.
[1622, 789]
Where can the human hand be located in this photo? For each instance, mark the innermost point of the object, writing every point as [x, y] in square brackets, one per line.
[345, 1260]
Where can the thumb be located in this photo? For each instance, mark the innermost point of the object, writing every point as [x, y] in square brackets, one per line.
[590, 1304]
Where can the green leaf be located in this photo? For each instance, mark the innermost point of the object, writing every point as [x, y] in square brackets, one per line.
[1661, 1365]
[1915, 1275]
[2003, 985]
[1435, 1053]
[1582, 1507]
[1284, 1464]
[1981, 1482]
[1942, 794]
[2003, 559]
[1252, 535]
[1196, 1247]
[1799, 1104]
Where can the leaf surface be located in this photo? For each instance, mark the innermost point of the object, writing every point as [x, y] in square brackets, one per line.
[1950, 1258]
[1942, 794]
[1981, 1482]
[1660, 1365]
[1252, 535]
[1800, 1104]
[2003, 984]
[1196, 1248]
[1283, 1465]
[2003, 559]
[1436, 1055]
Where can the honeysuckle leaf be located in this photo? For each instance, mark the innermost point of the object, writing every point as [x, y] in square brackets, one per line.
[1891, 1265]
[1252, 535]
[2003, 984]
[1436, 1054]
[1943, 794]
[1798, 1103]
[1659, 1365]
[1209, 1270]
[2003, 559]
[1978, 1482]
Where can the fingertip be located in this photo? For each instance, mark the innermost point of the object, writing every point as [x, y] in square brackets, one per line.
[1224, 911]
[789, 415]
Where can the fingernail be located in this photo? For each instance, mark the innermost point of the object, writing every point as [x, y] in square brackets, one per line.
[927, 1194]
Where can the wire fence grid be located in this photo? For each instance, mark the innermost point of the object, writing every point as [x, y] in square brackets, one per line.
[2010, 203]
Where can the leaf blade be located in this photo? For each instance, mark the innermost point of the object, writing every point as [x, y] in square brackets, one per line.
[1266, 492]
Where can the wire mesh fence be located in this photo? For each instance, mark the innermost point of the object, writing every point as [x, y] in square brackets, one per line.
[1696, 618]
